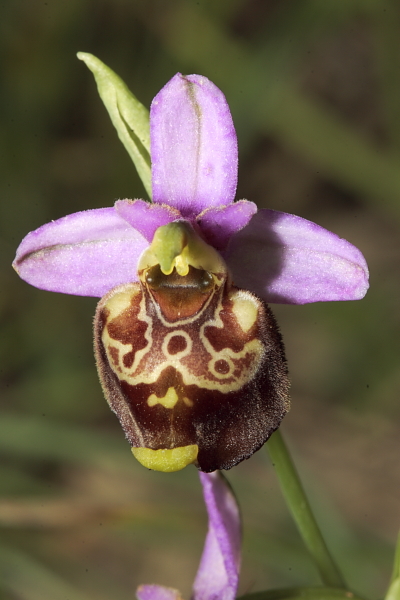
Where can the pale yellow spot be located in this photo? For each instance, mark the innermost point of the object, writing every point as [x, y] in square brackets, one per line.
[165, 460]
[168, 401]
[245, 311]
[188, 402]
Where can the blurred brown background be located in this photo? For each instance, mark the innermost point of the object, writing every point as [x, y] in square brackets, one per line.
[314, 88]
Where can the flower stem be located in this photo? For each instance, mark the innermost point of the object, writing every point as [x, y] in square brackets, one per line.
[300, 508]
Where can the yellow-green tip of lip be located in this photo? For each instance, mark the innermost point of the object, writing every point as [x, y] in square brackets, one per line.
[166, 460]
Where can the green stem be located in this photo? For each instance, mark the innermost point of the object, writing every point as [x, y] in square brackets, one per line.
[300, 508]
[303, 593]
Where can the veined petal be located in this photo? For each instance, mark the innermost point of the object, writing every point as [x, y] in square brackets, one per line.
[218, 574]
[146, 217]
[220, 223]
[157, 592]
[85, 253]
[193, 146]
[286, 259]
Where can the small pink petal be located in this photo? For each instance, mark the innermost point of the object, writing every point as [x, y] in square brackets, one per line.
[286, 259]
[220, 223]
[146, 217]
[193, 146]
[218, 574]
[157, 592]
[85, 253]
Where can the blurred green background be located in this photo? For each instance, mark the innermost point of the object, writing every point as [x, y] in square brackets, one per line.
[314, 89]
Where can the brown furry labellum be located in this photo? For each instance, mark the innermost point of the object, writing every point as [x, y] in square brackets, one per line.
[193, 367]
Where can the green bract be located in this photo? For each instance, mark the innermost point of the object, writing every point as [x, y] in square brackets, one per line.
[130, 118]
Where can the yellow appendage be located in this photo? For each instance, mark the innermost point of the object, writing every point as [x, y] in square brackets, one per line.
[176, 245]
[167, 461]
[245, 310]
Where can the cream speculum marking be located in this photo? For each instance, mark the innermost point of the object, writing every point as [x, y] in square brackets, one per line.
[193, 367]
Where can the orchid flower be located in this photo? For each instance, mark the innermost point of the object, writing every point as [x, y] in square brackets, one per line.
[189, 355]
[218, 573]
